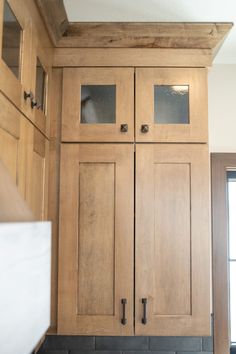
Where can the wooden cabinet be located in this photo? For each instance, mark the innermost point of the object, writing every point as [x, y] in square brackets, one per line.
[21, 44]
[172, 251]
[171, 243]
[96, 239]
[98, 104]
[171, 105]
[172, 239]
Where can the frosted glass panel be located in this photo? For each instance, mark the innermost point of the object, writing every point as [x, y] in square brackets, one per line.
[11, 40]
[232, 213]
[233, 301]
[40, 91]
[98, 104]
[171, 104]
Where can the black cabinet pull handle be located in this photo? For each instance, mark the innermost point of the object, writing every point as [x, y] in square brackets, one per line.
[144, 128]
[144, 319]
[28, 95]
[123, 320]
[33, 104]
[124, 128]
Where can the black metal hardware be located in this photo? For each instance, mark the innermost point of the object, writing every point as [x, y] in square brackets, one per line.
[28, 95]
[123, 320]
[124, 128]
[144, 128]
[144, 319]
[33, 103]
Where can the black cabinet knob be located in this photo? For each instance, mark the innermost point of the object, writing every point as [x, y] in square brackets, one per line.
[124, 128]
[144, 128]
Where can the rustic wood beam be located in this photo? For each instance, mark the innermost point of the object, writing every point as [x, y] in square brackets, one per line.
[54, 15]
[145, 35]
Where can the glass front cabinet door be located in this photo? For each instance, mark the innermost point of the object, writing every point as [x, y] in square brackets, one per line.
[171, 105]
[98, 104]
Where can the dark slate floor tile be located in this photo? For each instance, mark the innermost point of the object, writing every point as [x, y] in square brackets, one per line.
[176, 344]
[69, 342]
[95, 352]
[194, 353]
[147, 352]
[121, 343]
[53, 352]
[207, 344]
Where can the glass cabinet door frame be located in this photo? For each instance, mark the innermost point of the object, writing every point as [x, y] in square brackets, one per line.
[40, 116]
[123, 128]
[196, 130]
[11, 86]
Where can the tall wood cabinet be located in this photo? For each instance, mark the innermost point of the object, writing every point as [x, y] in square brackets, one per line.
[134, 214]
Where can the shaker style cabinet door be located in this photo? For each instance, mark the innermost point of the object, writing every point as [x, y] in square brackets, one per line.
[98, 104]
[96, 240]
[171, 105]
[172, 240]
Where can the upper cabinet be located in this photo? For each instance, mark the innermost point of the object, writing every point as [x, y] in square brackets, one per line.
[98, 104]
[171, 105]
[25, 60]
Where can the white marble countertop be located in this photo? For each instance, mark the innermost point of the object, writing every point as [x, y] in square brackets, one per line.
[25, 272]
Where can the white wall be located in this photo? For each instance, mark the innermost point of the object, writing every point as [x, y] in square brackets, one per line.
[222, 108]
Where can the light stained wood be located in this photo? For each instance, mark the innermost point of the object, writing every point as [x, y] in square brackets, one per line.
[144, 35]
[72, 129]
[172, 205]
[128, 57]
[36, 176]
[96, 256]
[12, 206]
[53, 188]
[158, 233]
[197, 129]
[55, 18]
[220, 164]
[73, 156]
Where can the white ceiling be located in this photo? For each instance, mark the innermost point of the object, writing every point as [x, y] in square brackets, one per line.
[159, 11]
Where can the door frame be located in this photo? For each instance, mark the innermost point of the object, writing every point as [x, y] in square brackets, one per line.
[220, 163]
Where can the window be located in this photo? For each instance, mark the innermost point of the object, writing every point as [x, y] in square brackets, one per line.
[11, 41]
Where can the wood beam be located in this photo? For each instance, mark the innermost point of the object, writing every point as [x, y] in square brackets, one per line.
[144, 35]
[54, 15]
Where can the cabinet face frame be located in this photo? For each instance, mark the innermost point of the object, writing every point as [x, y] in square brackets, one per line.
[74, 157]
[197, 129]
[150, 160]
[72, 129]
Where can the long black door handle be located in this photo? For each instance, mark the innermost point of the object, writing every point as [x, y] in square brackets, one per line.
[123, 320]
[144, 319]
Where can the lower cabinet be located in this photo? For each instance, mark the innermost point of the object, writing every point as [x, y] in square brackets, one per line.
[164, 265]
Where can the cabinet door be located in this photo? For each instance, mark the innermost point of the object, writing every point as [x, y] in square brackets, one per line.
[37, 175]
[15, 50]
[171, 105]
[9, 136]
[96, 239]
[172, 240]
[98, 104]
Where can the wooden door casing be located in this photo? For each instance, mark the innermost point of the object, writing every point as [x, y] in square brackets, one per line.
[96, 239]
[196, 131]
[172, 239]
[72, 129]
